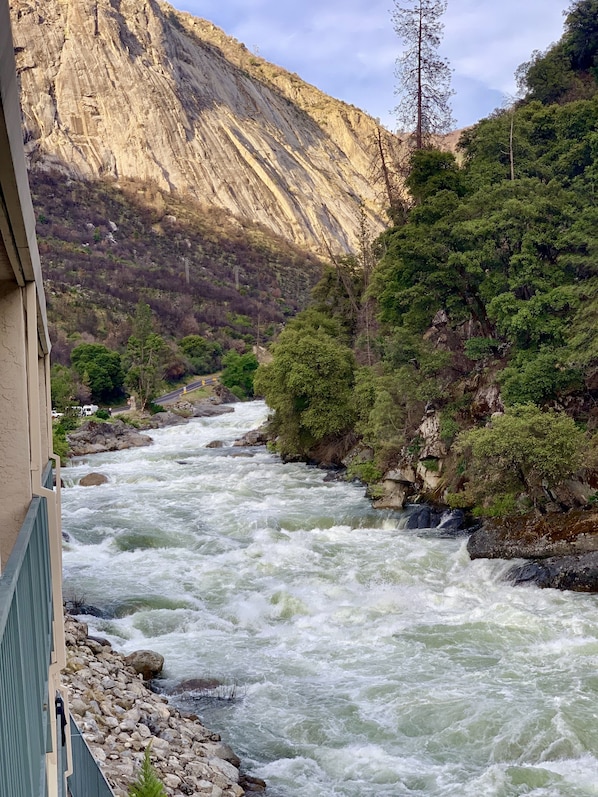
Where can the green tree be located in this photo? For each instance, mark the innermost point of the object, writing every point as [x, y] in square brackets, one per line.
[63, 387]
[100, 369]
[144, 357]
[239, 372]
[431, 171]
[204, 355]
[524, 449]
[308, 384]
[423, 76]
[147, 783]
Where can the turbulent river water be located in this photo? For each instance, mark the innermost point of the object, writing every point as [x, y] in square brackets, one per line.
[358, 659]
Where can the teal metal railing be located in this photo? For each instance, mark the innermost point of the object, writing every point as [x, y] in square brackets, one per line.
[26, 615]
[25, 650]
[87, 779]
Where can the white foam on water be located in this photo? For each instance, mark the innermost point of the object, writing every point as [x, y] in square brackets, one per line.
[371, 661]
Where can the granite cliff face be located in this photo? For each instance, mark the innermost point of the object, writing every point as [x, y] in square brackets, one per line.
[133, 89]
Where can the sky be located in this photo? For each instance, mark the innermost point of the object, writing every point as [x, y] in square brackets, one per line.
[348, 48]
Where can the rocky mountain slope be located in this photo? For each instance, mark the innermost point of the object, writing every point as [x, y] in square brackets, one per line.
[132, 89]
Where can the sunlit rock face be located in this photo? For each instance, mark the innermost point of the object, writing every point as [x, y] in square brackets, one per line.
[117, 89]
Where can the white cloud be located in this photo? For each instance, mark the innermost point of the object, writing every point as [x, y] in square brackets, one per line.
[348, 47]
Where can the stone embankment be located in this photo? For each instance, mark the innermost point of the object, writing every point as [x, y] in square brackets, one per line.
[119, 717]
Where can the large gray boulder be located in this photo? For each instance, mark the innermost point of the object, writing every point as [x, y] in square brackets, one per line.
[147, 662]
[94, 437]
[207, 409]
[93, 480]
[536, 536]
[578, 573]
[162, 419]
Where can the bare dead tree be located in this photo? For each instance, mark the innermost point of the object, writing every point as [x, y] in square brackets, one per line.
[388, 168]
[423, 76]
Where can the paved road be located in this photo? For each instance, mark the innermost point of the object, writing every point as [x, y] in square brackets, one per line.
[180, 391]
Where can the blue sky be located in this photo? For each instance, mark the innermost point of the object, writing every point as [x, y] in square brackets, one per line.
[347, 48]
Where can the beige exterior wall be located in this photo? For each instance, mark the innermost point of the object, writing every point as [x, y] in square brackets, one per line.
[15, 484]
[25, 422]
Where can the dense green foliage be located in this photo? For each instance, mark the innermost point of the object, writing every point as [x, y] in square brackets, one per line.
[568, 70]
[239, 372]
[521, 451]
[309, 383]
[490, 284]
[100, 369]
[205, 356]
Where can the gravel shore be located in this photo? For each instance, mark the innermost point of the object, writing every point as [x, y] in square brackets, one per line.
[119, 717]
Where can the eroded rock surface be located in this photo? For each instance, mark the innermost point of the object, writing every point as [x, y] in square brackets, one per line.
[202, 114]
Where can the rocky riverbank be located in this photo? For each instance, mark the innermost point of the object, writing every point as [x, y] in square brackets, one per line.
[120, 716]
[95, 437]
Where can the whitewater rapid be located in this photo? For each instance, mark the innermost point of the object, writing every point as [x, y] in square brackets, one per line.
[358, 659]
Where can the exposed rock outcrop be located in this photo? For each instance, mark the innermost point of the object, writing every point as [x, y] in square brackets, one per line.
[203, 116]
[578, 573]
[93, 437]
[533, 536]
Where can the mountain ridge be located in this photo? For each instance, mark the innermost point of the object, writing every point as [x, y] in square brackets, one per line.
[204, 117]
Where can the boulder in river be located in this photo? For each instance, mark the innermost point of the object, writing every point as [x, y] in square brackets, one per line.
[147, 662]
[208, 409]
[578, 573]
[162, 419]
[93, 480]
[254, 437]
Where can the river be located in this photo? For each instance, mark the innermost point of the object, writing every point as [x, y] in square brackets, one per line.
[358, 659]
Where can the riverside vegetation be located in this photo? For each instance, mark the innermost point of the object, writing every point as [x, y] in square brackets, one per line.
[455, 356]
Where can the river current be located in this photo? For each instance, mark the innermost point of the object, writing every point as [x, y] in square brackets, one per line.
[357, 658]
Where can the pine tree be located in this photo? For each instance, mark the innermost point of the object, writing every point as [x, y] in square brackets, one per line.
[423, 76]
[147, 784]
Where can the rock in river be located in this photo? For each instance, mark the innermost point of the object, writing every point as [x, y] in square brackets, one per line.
[93, 437]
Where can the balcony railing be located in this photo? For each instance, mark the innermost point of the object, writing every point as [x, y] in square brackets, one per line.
[25, 648]
[26, 615]
[87, 779]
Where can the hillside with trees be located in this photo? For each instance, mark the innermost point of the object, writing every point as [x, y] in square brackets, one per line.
[475, 381]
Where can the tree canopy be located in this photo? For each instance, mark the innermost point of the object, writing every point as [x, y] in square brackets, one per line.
[100, 368]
